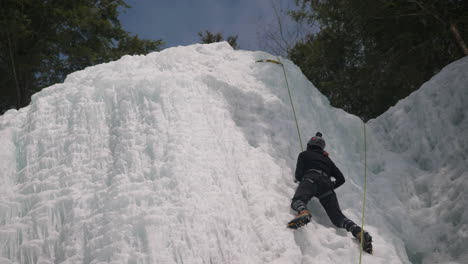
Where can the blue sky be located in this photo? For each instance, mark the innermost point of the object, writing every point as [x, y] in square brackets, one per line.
[177, 22]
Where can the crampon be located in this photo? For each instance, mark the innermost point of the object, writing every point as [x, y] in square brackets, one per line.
[367, 243]
[302, 219]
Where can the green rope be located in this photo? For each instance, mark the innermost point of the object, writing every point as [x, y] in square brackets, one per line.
[292, 105]
[302, 148]
[365, 189]
[290, 96]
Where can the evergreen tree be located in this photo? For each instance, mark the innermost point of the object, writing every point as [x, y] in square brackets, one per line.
[43, 41]
[209, 37]
[369, 54]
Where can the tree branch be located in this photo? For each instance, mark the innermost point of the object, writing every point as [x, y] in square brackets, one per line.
[18, 92]
[458, 38]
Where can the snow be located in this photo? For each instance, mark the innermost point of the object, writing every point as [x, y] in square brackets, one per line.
[187, 156]
[428, 133]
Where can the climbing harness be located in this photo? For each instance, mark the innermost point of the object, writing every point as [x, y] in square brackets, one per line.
[289, 93]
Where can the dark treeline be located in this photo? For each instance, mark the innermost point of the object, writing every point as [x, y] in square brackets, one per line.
[43, 41]
[210, 37]
[368, 54]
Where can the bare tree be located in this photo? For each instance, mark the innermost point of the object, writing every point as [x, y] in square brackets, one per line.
[458, 38]
[427, 8]
[280, 34]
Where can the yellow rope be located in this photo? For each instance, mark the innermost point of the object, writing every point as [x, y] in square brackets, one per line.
[269, 60]
[292, 105]
[302, 148]
[365, 189]
[290, 96]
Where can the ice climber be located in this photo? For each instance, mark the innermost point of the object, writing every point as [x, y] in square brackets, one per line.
[315, 172]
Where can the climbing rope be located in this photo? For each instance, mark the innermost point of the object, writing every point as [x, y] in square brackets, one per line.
[365, 190]
[292, 104]
[290, 96]
[302, 148]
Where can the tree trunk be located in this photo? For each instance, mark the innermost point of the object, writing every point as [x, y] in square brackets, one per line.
[458, 38]
[15, 76]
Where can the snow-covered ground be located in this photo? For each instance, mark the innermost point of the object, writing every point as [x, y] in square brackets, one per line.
[187, 156]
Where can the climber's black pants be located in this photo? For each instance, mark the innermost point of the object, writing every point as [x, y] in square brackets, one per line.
[322, 188]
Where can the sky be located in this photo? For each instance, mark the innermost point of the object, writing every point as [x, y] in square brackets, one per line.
[177, 22]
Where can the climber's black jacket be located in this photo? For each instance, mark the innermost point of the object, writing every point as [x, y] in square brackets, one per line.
[316, 159]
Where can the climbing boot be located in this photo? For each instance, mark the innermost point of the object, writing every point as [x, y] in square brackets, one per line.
[301, 219]
[366, 243]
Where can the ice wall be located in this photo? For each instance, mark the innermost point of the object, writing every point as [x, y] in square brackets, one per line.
[422, 159]
[184, 156]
